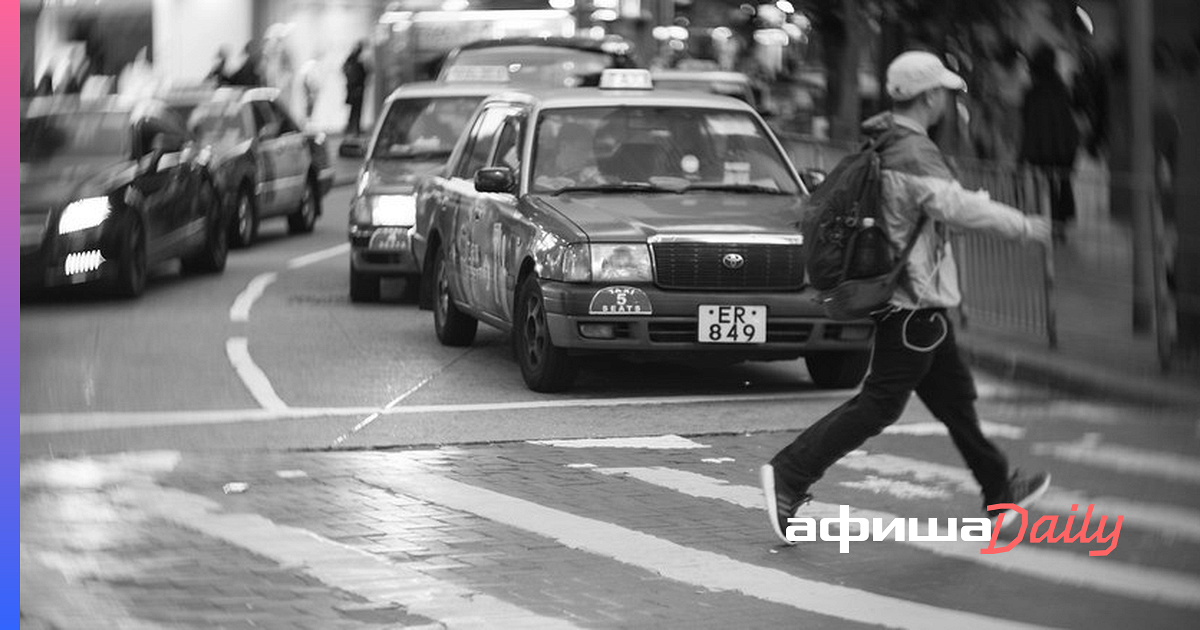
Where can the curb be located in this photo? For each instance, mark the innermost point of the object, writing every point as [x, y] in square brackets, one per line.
[1074, 375]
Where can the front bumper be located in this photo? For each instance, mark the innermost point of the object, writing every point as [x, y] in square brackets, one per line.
[382, 251]
[70, 259]
[796, 325]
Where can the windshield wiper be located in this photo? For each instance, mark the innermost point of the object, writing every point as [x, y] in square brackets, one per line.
[739, 188]
[415, 155]
[638, 186]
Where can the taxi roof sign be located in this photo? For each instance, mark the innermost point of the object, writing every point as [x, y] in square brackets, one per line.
[626, 79]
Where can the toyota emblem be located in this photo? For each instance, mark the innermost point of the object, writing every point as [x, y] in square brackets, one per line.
[733, 261]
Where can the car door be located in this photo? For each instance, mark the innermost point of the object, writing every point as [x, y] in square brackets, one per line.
[268, 159]
[157, 187]
[497, 220]
[294, 158]
[466, 207]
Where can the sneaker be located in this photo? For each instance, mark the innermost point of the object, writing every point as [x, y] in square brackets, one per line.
[782, 503]
[1024, 492]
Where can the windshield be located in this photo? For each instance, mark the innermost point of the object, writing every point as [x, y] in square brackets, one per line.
[217, 123]
[75, 135]
[669, 149]
[545, 66]
[424, 127]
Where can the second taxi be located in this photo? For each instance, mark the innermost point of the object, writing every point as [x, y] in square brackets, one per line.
[624, 219]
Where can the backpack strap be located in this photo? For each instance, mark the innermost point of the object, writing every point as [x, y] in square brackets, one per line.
[908, 247]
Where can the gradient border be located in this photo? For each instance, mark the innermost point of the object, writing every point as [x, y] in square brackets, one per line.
[10, 318]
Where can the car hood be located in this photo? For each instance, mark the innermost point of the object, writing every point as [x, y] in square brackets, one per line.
[611, 218]
[392, 176]
[53, 183]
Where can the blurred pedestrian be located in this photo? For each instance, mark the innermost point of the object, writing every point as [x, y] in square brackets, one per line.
[915, 348]
[1050, 136]
[355, 72]
[249, 73]
[216, 74]
[310, 85]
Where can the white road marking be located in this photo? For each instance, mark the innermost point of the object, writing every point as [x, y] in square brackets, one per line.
[1089, 451]
[32, 423]
[1167, 520]
[237, 348]
[896, 488]
[340, 566]
[700, 568]
[990, 429]
[1100, 574]
[318, 256]
[240, 311]
[655, 442]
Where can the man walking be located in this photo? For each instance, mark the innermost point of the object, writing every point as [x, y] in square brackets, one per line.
[356, 84]
[915, 348]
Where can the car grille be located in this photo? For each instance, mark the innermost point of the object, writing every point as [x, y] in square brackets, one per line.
[685, 332]
[698, 265]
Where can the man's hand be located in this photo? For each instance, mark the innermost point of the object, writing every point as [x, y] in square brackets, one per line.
[1037, 229]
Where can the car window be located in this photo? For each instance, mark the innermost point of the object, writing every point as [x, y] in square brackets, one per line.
[286, 124]
[672, 147]
[423, 127]
[264, 115]
[75, 135]
[479, 146]
[508, 145]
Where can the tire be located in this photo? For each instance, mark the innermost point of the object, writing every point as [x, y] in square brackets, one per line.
[243, 229]
[212, 258]
[304, 219]
[838, 370]
[364, 287]
[453, 327]
[131, 266]
[545, 367]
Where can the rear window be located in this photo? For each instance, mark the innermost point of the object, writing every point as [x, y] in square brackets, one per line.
[77, 134]
[424, 126]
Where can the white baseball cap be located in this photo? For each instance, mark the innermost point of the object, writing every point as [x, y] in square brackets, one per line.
[915, 72]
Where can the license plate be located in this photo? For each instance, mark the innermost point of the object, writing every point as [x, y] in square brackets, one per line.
[724, 323]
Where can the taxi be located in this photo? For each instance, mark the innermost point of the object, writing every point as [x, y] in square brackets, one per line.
[420, 125]
[629, 220]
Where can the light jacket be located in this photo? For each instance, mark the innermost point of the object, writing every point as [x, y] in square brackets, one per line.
[917, 179]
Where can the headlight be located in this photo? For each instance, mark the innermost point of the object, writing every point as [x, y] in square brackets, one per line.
[83, 214]
[624, 262]
[576, 263]
[382, 210]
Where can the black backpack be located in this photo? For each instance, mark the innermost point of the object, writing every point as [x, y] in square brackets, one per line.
[848, 256]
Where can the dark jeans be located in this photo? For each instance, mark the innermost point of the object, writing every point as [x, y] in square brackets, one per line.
[914, 351]
[1062, 195]
[353, 125]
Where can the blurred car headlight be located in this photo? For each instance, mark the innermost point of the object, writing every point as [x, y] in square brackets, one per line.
[576, 263]
[384, 210]
[83, 214]
[624, 262]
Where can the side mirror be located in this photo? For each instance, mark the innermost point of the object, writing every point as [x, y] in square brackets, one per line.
[496, 179]
[813, 178]
[352, 147]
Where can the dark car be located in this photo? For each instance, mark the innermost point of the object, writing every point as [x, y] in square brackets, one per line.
[536, 61]
[109, 189]
[265, 165]
[420, 125]
[625, 221]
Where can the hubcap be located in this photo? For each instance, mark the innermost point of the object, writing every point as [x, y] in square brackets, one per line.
[243, 218]
[535, 331]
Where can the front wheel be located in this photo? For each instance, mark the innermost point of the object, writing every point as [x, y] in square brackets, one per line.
[304, 219]
[210, 259]
[838, 370]
[453, 327]
[131, 266]
[546, 367]
[244, 227]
